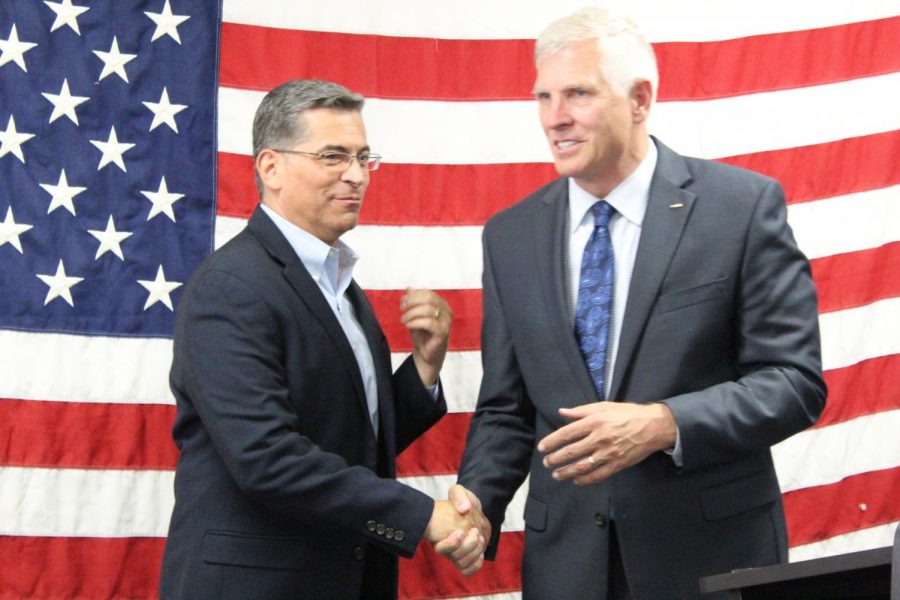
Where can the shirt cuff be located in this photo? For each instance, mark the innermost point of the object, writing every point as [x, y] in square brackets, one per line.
[676, 452]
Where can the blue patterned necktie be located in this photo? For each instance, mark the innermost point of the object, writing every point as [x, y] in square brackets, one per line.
[593, 311]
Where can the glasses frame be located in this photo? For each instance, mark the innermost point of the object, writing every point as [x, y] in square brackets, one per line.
[370, 163]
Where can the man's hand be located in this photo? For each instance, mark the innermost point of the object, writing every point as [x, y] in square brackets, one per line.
[428, 318]
[606, 437]
[465, 549]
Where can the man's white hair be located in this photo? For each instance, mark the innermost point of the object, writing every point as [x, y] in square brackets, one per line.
[626, 56]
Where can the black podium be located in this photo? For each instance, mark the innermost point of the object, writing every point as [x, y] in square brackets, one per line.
[862, 575]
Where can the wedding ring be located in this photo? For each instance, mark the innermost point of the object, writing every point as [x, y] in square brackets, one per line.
[592, 460]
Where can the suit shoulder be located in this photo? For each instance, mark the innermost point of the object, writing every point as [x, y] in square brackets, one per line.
[525, 209]
[726, 177]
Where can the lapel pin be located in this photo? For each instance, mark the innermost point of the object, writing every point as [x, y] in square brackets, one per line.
[678, 205]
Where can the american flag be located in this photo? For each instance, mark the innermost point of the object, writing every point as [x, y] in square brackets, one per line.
[125, 159]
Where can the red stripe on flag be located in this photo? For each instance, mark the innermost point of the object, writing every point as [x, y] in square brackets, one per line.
[428, 575]
[86, 435]
[857, 278]
[406, 194]
[378, 66]
[60, 567]
[465, 304]
[402, 194]
[442, 69]
[439, 450]
[866, 388]
[762, 63]
[865, 500]
[831, 169]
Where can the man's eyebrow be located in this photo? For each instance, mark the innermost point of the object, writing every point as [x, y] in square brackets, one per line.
[339, 148]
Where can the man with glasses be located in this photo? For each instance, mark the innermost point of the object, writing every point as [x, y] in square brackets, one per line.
[289, 418]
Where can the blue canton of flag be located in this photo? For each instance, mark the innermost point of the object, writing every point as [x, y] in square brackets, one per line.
[107, 161]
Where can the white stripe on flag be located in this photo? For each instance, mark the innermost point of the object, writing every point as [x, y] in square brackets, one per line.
[81, 368]
[460, 378]
[85, 502]
[856, 334]
[678, 20]
[431, 132]
[863, 539]
[127, 370]
[830, 454]
[450, 257]
[847, 223]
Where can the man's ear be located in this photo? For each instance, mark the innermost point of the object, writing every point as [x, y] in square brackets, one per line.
[269, 167]
[641, 99]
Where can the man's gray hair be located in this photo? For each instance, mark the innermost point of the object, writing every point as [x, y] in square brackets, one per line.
[626, 56]
[276, 123]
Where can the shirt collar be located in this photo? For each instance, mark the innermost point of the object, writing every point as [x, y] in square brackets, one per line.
[314, 253]
[629, 198]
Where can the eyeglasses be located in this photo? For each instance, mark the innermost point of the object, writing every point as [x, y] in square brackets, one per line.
[340, 160]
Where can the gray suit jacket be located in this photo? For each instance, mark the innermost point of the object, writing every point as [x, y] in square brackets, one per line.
[721, 325]
[281, 489]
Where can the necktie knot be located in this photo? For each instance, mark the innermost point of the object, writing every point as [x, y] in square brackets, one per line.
[602, 211]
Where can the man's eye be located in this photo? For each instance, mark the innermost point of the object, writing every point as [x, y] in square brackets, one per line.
[332, 157]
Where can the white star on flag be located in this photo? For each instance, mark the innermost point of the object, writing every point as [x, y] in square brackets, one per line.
[110, 239]
[166, 23]
[60, 285]
[162, 200]
[62, 193]
[10, 231]
[11, 49]
[114, 61]
[164, 111]
[159, 289]
[66, 14]
[64, 103]
[12, 140]
[112, 150]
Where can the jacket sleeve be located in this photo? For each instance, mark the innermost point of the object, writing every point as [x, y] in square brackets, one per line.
[500, 441]
[779, 390]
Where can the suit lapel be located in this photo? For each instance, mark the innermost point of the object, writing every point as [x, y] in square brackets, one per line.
[667, 214]
[551, 241]
[308, 290]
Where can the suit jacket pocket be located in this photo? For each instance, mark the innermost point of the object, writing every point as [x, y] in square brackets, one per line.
[693, 295]
[735, 497]
[535, 514]
[270, 552]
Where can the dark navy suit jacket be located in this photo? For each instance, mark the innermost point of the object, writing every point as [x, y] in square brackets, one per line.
[282, 489]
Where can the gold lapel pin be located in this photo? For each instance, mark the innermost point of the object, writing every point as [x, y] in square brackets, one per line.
[678, 205]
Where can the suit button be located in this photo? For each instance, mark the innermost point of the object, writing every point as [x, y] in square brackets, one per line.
[371, 525]
[399, 535]
[389, 533]
[380, 529]
[600, 520]
[359, 553]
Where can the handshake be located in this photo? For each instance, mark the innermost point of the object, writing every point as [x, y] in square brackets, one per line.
[459, 530]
